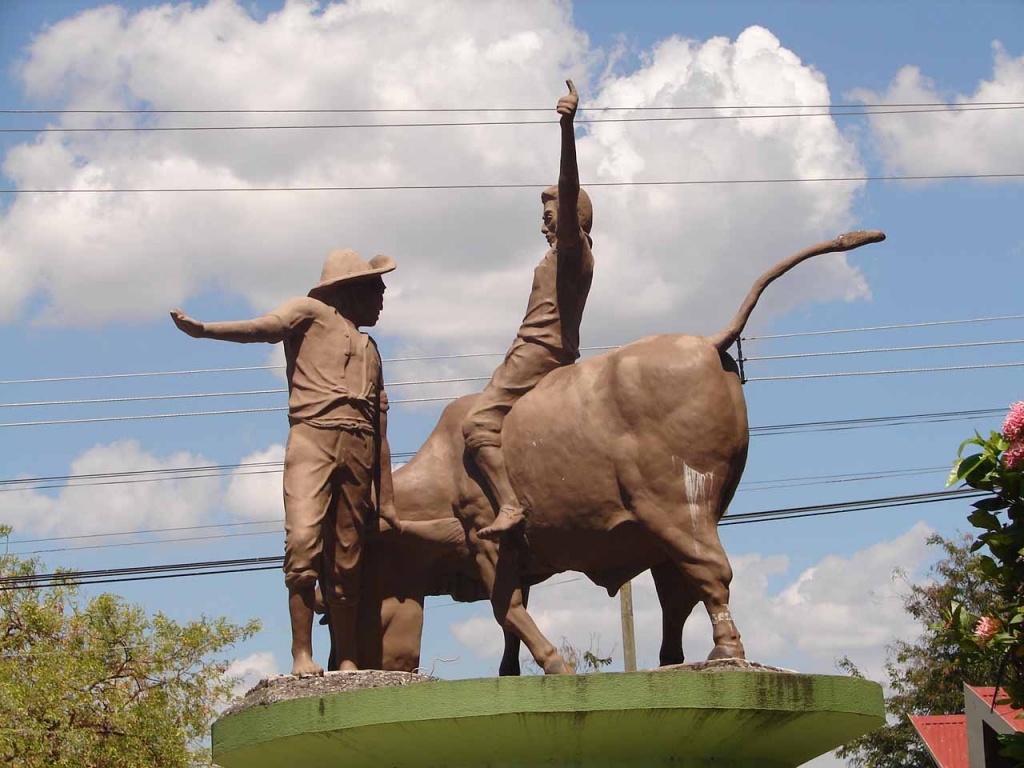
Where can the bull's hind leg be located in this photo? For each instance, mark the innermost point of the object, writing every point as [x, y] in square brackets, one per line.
[677, 602]
[500, 574]
[691, 540]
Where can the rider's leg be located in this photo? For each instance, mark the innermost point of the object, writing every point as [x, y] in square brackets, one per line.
[491, 463]
[523, 368]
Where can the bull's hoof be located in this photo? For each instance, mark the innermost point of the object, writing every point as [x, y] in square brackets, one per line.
[558, 666]
[512, 669]
[727, 651]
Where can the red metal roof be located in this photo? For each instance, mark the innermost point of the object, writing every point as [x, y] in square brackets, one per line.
[1005, 711]
[945, 736]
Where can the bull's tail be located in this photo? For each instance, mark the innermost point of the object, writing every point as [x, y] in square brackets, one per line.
[725, 338]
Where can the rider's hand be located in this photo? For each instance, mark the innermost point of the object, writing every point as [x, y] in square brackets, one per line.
[567, 104]
[193, 328]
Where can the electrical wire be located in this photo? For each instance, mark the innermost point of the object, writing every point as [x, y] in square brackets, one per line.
[927, 324]
[175, 570]
[194, 395]
[146, 374]
[479, 123]
[762, 485]
[184, 473]
[184, 414]
[841, 374]
[449, 187]
[465, 379]
[876, 350]
[582, 108]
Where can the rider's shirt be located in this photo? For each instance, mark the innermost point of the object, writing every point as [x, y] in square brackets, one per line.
[561, 283]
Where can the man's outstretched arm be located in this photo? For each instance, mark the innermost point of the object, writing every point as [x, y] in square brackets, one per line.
[568, 229]
[267, 328]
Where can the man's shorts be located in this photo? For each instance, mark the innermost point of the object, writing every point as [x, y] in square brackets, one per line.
[328, 482]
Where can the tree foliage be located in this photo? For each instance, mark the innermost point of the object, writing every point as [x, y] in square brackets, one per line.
[998, 469]
[926, 676]
[98, 683]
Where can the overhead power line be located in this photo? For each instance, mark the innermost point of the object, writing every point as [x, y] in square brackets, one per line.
[865, 329]
[842, 374]
[278, 409]
[194, 395]
[176, 570]
[479, 123]
[466, 379]
[747, 486]
[582, 108]
[450, 187]
[198, 371]
[878, 350]
[449, 398]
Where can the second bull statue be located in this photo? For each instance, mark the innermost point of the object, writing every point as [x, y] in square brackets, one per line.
[625, 462]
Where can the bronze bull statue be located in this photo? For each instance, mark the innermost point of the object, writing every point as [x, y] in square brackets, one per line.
[625, 462]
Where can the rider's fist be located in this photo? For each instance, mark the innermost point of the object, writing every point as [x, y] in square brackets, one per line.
[568, 103]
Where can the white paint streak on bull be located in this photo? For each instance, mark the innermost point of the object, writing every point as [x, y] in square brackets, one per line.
[698, 490]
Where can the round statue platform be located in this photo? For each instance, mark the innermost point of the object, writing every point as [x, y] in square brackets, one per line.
[715, 717]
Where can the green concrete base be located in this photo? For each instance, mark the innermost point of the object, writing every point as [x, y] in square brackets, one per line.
[718, 719]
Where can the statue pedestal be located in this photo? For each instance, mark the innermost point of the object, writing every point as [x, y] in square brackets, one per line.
[720, 718]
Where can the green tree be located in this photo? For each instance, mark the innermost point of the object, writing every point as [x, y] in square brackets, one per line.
[926, 676]
[997, 470]
[99, 684]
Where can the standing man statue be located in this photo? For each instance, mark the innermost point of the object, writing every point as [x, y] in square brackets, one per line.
[549, 336]
[338, 451]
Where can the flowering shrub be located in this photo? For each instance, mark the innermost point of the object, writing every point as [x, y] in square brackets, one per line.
[998, 469]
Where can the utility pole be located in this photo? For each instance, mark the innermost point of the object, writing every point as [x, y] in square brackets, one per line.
[628, 636]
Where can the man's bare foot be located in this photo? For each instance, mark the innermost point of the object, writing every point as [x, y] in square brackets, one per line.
[508, 519]
[303, 664]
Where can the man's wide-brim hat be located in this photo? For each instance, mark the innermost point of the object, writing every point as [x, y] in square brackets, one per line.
[346, 266]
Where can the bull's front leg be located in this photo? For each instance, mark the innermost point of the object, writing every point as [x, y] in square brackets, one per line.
[499, 566]
[510, 666]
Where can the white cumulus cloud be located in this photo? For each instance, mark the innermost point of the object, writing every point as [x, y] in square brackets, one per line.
[668, 258]
[250, 670]
[985, 141]
[138, 504]
[256, 493]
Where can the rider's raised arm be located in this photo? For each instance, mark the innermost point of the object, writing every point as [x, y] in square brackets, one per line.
[568, 229]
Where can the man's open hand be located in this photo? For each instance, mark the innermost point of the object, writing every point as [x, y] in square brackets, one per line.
[193, 328]
[568, 103]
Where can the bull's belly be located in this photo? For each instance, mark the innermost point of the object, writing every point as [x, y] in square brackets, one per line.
[609, 557]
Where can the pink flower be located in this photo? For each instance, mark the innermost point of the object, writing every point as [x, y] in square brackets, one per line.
[1013, 457]
[1013, 427]
[985, 629]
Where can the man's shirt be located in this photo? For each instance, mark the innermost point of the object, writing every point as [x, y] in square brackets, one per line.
[334, 370]
[561, 283]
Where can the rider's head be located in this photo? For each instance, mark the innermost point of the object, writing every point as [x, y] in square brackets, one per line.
[549, 225]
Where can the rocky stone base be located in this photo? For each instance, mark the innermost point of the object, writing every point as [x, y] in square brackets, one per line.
[723, 665]
[285, 687]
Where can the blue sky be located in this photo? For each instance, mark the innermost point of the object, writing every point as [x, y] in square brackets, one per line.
[953, 252]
